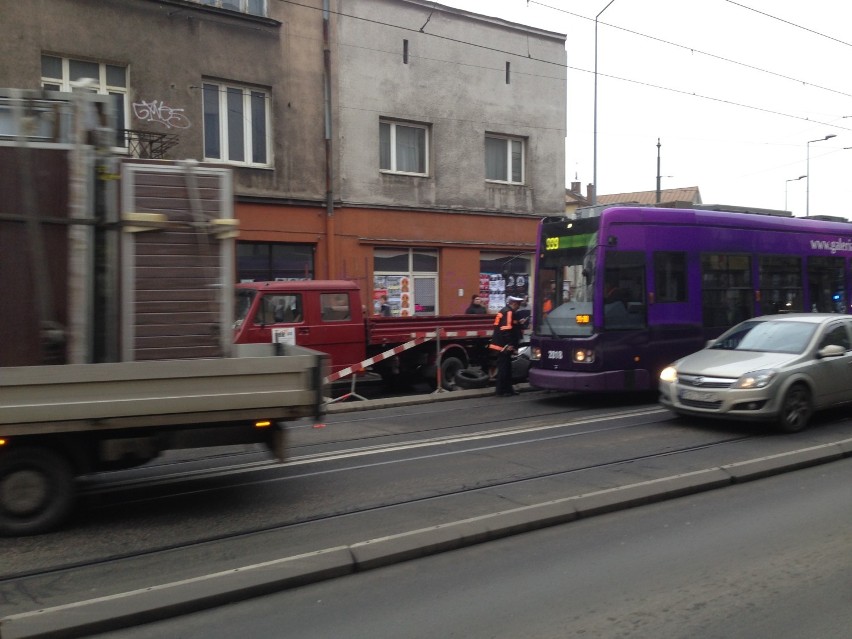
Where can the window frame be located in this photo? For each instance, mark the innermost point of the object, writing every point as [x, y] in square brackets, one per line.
[223, 132]
[508, 167]
[393, 151]
[244, 6]
[416, 271]
[64, 84]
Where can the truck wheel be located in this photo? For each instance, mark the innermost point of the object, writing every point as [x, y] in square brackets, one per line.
[37, 490]
[449, 367]
[468, 378]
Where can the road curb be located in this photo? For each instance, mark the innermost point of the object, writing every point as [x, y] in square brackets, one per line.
[191, 595]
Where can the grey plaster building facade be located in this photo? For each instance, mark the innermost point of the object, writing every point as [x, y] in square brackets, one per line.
[368, 139]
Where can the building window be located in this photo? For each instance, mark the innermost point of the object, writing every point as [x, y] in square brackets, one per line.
[274, 261]
[403, 148]
[504, 159]
[409, 278]
[58, 74]
[252, 7]
[236, 124]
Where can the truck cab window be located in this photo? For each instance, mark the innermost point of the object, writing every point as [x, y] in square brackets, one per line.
[335, 307]
[280, 309]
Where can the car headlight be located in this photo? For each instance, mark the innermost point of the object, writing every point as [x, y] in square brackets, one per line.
[756, 379]
[668, 374]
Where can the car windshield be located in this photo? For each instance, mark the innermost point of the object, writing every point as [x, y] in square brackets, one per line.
[767, 337]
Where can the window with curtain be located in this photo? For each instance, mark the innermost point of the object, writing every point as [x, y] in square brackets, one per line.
[236, 124]
[403, 148]
[504, 159]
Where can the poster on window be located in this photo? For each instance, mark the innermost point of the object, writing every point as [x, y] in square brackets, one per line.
[494, 288]
[397, 288]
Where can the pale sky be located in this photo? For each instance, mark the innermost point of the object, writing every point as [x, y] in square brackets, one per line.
[733, 89]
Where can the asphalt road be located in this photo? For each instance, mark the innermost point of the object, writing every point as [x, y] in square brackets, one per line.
[771, 559]
[383, 482]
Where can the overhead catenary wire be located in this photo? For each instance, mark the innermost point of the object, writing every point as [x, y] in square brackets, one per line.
[651, 85]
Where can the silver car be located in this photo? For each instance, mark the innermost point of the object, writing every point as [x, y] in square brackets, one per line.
[777, 367]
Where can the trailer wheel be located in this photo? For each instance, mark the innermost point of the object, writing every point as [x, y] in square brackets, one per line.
[468, 378]
[37, 490]
[449, 367]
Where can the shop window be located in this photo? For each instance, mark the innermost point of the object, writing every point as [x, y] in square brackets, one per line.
[409, 278]
[502, 274]
[274, 261]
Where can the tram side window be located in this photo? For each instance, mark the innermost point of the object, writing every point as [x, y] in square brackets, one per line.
[726, 289]
[670, 276]
[624, 290]
[827, 284]
[780, 284]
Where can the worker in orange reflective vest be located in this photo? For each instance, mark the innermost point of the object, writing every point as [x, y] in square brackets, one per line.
[508, 330]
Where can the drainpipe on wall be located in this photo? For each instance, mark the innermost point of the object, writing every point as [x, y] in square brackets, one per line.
[331, 266]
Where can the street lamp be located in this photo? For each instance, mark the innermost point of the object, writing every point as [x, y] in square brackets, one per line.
[808, 173]
[595, 152]
[787, 184]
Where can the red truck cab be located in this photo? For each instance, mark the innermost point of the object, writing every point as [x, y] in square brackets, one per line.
[325, 315]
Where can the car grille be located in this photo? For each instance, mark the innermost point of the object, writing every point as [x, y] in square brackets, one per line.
[699, 381]
[696, 404]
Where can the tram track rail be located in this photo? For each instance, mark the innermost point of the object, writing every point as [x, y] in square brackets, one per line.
[499, 436]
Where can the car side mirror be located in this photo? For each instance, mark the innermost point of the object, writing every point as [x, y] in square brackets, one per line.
[832, 350]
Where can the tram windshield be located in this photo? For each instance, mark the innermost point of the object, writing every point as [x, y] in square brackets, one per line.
[566, 278]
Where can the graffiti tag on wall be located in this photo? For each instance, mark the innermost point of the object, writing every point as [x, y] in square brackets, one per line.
[157, 111]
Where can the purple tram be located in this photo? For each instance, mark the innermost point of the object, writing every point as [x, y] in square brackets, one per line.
[621, 295]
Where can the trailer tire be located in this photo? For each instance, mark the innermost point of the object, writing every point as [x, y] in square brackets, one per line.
[450, 366]
[468, 378]
[37, 490]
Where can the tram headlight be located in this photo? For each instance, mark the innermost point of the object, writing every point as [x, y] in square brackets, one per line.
[535, 353]
[668, 374]
[583, 356]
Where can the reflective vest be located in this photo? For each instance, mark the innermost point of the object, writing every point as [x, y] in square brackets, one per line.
[505, 330]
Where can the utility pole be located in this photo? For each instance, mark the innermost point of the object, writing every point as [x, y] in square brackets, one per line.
[659, 194]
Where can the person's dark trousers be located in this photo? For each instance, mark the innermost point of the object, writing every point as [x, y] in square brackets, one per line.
[504, 373]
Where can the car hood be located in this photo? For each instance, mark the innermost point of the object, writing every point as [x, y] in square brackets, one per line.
[720, 363]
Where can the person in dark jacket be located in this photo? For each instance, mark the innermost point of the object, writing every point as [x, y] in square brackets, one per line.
[476, 307]
[508, 330]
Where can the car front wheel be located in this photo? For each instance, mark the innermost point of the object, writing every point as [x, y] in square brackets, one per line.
[796, 409]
